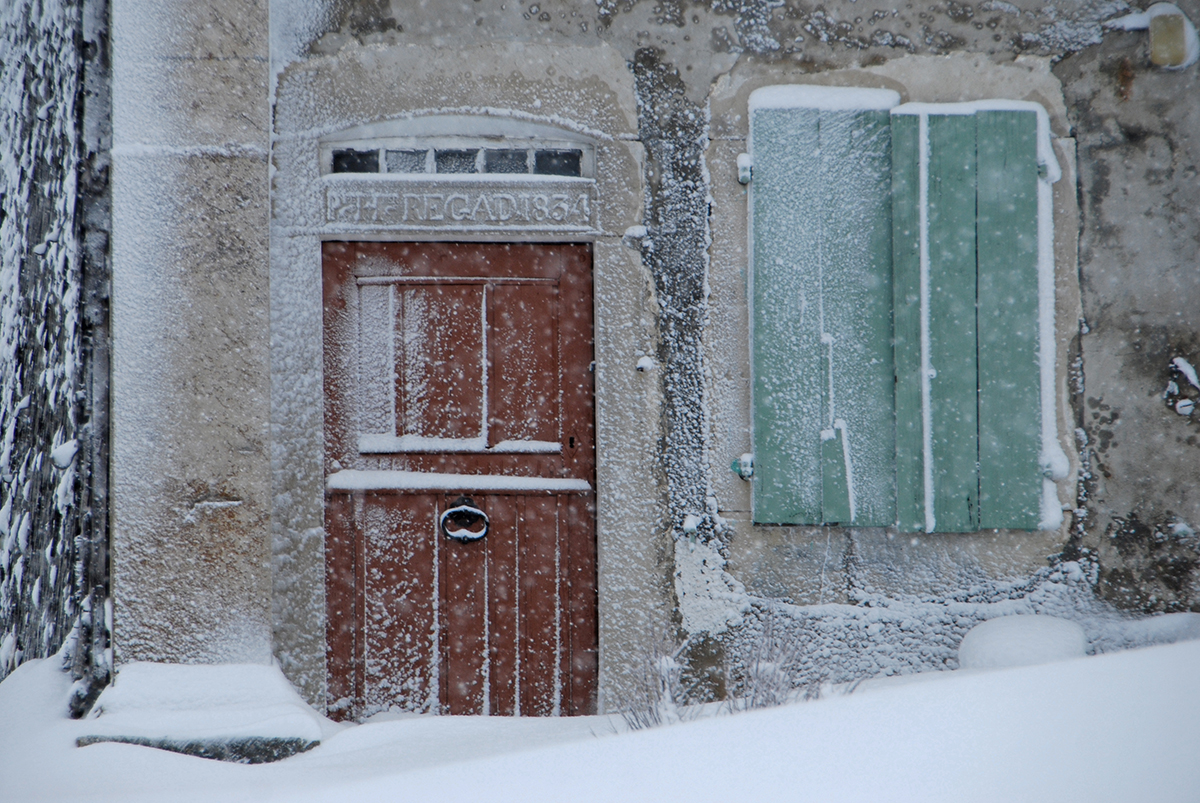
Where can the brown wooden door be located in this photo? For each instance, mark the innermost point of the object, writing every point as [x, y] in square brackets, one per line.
[451, 371]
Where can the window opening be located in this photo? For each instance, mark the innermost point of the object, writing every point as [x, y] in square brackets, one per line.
[406, 161]
[506, 161]
[455, 161]
[352, 161]
[557, 163]
[902, 312]
[460, 155]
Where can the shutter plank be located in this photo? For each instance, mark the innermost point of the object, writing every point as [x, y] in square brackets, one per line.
[856, 292]
[953, 393]
[786, 214]
[1009, 407]
[906, 279]
[835, 489]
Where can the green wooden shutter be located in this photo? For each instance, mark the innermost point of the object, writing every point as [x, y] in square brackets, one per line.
[821, 296]
[965, 243]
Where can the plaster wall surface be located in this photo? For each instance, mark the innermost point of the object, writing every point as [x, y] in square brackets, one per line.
[1139, 153]
[190, 390]
[660, 87]
[587, 91]
[1122, 138]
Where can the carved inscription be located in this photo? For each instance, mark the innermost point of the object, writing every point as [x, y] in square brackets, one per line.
[426, 206]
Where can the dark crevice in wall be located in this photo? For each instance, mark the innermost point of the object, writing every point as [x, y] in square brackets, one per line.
[674, 132]
[92, 659]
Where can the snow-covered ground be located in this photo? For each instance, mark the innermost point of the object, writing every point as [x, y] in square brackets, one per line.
[1121, 727]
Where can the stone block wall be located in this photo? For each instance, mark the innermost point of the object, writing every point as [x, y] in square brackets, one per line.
[53, 334]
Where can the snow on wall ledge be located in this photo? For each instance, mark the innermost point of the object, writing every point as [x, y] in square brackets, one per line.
[40, 349]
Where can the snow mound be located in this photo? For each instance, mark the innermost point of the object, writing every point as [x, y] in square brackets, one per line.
[1021, 641]
[180, 702]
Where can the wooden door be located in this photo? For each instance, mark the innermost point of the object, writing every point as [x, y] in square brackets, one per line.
[458, 386]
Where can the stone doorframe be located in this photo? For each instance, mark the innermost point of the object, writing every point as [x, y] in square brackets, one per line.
[503, 93]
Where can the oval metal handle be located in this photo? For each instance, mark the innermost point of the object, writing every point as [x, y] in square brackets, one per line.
[461, 518]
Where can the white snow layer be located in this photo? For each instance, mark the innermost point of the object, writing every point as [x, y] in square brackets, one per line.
[359, 480]
[1054, 462]
[926, 366]
[189, 702]
[710, 598]
[1117, 727]
[1021, 641]
[390, 444]
[1187, 370]
[828, 98]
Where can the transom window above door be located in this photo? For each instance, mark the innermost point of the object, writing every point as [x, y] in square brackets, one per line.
[457, 146]
[459, 156]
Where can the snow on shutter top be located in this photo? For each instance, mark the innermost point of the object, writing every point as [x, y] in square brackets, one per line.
[821, 301]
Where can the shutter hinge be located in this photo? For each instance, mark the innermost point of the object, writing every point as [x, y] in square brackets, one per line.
[743, 466]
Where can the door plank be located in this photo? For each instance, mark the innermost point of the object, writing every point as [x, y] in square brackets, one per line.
[906, 294]
[340, 336]
[399, 588]
[463, 612]
[835, 485]
[439, 361]
[583, 626]
[376, 360]
[788, 416]
[340, 622]
[502, 573]
[539, 605]
[856, 296]
[577, 377]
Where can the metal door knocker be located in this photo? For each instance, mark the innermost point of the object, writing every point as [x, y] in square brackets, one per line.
[463, 521]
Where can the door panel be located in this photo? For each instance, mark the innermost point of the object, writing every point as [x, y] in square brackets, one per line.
[439, 361]
[523, 364]
[450, 369]
[584, 665]
[821, 296]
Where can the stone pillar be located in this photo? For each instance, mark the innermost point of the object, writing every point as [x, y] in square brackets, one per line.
[190, 463]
